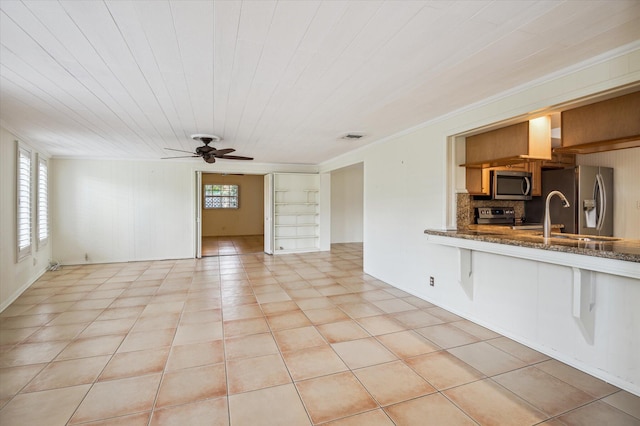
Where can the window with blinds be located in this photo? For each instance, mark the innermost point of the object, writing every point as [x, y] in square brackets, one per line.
[42, 215]
[24, 202]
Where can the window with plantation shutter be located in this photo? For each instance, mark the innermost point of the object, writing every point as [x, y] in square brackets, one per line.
[43, 203]
[24, 202]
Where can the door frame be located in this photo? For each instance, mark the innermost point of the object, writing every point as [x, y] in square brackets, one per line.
[198, 215]
[268, 213]
[198, 206]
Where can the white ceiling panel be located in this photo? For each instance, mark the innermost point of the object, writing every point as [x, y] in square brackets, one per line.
[288, 28]
[195, 32]
[158, 25]
[279, 80]
[256, 19]
[226, 17]
[126, 19]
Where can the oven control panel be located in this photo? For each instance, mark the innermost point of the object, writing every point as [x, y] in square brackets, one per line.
[495, 215]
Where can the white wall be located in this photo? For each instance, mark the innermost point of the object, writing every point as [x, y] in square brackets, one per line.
[406, 176]
[119, 211]
[113, 211]
[15, 277]
[626, 189]
[347, 190]
[408, 186]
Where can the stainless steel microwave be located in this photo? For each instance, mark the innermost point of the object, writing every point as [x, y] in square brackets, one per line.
[508, 185]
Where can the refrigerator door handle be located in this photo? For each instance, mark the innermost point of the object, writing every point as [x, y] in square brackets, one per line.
[601, 200]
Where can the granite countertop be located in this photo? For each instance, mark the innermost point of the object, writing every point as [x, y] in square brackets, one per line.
[610, 248]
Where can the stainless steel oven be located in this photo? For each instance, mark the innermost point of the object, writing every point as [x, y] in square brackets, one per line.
[494, 215]
[507, 185]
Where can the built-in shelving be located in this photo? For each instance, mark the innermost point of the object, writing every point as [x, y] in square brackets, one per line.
[296, 224]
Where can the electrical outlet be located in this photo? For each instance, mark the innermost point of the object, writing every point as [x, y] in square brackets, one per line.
[432, 281]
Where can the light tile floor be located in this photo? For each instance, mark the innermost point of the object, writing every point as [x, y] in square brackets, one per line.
[262, 340]
[233, 245]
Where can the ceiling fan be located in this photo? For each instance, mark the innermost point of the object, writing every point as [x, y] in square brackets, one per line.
[208, 153]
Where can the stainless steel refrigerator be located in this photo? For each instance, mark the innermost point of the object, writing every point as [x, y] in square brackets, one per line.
[589, 190]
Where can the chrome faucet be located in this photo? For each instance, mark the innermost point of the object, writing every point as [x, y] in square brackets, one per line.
[546, 226]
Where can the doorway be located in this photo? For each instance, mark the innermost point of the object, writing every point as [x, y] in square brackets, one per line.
[232, 209]
[347, 204]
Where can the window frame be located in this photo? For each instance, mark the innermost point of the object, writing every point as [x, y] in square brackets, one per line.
[42, 202]
[224, 205]
[24, 181]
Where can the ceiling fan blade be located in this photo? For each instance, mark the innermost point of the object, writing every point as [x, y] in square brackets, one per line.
[179, 150]
[219, 152]
[182, 156]
[235, 157]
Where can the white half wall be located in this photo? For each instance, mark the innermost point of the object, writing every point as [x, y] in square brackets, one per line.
[15, 277]
[347, 202]
[532, 302]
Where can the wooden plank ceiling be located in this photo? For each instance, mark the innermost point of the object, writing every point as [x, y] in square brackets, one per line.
[278, 80]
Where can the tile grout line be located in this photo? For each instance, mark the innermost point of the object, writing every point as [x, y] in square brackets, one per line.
[255, 278]
[164, 369]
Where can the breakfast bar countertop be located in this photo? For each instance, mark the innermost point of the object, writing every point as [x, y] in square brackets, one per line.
[603, 247]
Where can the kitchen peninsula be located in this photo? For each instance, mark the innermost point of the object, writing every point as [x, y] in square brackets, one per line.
[573, 299]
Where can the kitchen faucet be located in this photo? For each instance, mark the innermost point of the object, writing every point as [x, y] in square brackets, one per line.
[546, 226]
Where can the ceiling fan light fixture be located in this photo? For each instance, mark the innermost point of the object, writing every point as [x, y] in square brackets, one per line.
[204, 138]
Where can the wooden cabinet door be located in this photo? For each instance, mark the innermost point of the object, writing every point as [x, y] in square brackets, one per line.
[535, 168]
[610, 120]
[506, 142]
[477, 181]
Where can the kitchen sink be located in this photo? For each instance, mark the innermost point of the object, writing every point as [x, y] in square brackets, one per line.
[527, 227]
[586, 238]
[577, 237]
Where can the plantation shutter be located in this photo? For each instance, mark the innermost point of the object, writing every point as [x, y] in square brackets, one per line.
[24, 202]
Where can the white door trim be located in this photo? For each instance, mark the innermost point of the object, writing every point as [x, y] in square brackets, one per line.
[198, 215]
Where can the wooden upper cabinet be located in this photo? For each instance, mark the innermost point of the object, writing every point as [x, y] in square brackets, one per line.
[602, 126]
[477, 181]
[535, 168]
[529, 140]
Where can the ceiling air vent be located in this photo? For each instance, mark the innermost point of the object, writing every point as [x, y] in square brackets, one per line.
[352, 136]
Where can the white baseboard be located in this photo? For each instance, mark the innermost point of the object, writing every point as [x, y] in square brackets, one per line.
[4, 305]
